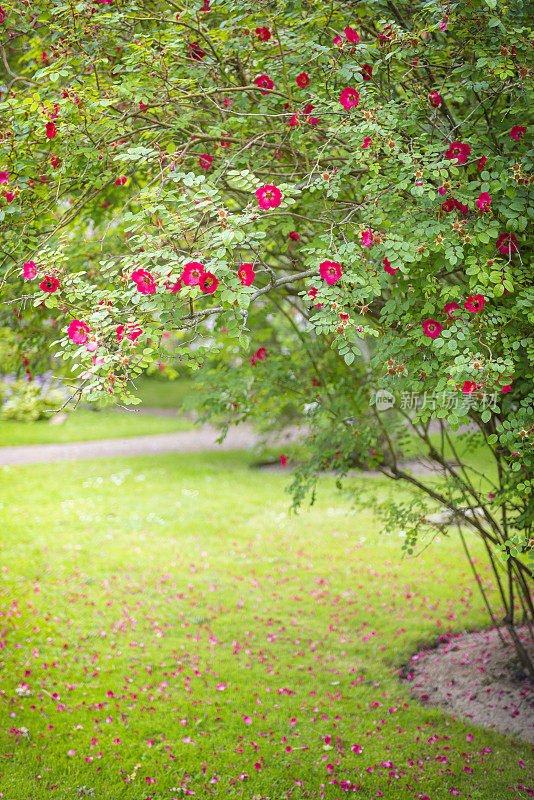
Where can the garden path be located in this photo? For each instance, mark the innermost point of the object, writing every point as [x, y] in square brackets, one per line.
[201, 439]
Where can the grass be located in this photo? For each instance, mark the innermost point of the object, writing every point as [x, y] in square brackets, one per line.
[83, 425]
[155, 393]
[170, 631]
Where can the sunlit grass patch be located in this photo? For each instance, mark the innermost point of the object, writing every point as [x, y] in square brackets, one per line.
[171, 629]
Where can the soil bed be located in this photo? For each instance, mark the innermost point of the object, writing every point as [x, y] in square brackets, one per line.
[475, 677]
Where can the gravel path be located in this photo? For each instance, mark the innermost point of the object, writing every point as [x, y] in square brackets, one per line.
[202, 438]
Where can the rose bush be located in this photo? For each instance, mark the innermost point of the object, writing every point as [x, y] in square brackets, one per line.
[322, 202]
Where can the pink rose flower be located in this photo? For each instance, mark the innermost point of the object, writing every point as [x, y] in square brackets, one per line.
[431, 328]
[458, 151]
[330, 271]
[303, 80]
[193, 272]
[132, 332]
[29, 270]
[366, 142]
[475, 303]
[367, 238]
[435, 99]
[349, 97]
[78, 331]
[268, 197]
[246, 274]
[144, 281]
[4, 177]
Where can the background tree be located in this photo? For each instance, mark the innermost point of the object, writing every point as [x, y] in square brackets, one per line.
[322, 201]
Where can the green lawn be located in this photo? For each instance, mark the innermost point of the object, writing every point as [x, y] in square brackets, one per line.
[82, 425]
[170, 631]
[157, 393]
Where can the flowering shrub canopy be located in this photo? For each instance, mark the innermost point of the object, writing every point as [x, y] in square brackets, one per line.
[163, 173]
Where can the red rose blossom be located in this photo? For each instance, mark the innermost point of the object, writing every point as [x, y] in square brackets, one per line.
[435, 99]
[349, 97]
[263, 34]
[50, 130]
[303, 80]
[351, 35]
[388, 268]
[132, 332]
[4, 177]
[330, 271]
[431, 328]
[458, 151]
[193, 272]
[49, 284]
[313, 294]
[144, 281]
[506, 389]
[196, 53]
[246, 274]
[268, 196]
[474, 303]
[208, 283]
[205, 161]
[481, 163]
[449, 308]
[78, 331]
[367, 238]
[367, 72]
[294, 236]
[120, 181]
[483, 201]
[176, 287]
[517, 132]
[506, 244]
[366, 142]
[265, 83]
[469, 387]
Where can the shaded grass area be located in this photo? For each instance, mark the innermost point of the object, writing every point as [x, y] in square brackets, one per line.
[159, 393]
[84, 425]
[171, 630]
